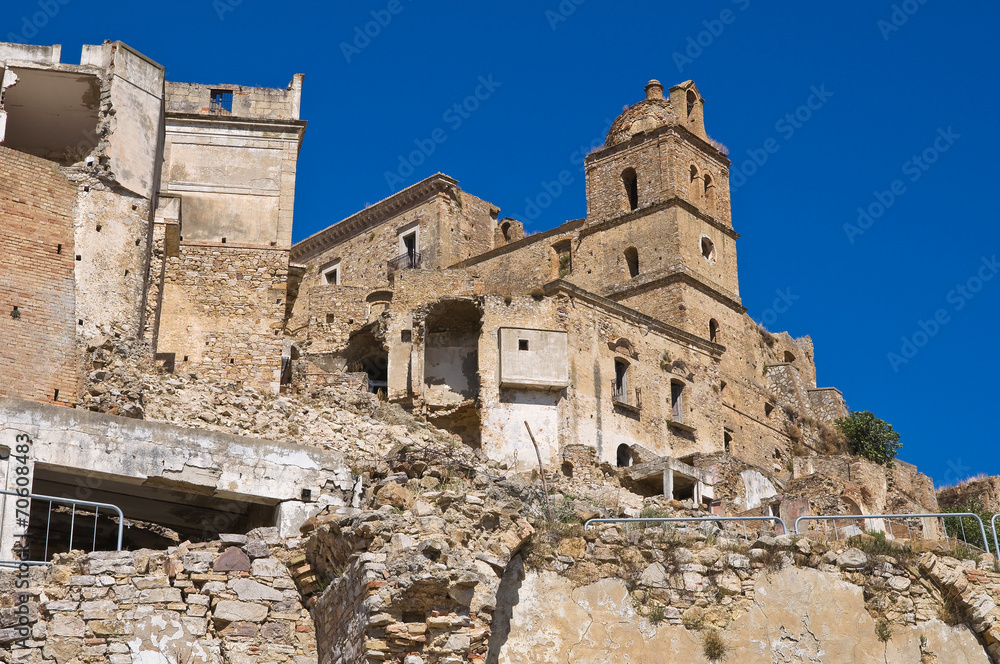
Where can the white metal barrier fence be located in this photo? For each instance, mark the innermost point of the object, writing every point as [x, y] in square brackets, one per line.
[722, 519]
[869, 517]
[22, 505]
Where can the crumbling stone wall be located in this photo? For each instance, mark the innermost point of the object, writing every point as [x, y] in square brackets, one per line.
[248, 102]
[223, 312]
[38, 356]
[233, 600]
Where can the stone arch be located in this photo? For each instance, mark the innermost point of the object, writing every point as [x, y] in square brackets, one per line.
[630, 182]
[632, 261]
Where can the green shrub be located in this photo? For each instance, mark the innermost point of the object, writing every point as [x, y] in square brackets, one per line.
[869, 437]
[954, 525]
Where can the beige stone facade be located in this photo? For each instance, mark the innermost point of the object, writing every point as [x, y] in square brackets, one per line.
[661, 353]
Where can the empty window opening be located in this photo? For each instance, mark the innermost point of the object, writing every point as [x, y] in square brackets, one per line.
[223, 240]
[722, 386]
[137, 242]
[768, 408]
[631, 182]
[55, 396]
[522, 344]
[708, 183]
[632, 260]
[789, 357]
[330, 318]
[624, 456]
[727, 441]
[563, 259]
[332, 276]
[98, 228]
[707, 248]
[621, 378]
[677, 401]
[232, 361]
[58, 248]
[221, 102]
[505, 229]
[79, 257]
[186, 357]
[692, 99]
[410, 244]
[406, 336]
[713, 330]
[126, 273]
[694, 173]
[79, 322]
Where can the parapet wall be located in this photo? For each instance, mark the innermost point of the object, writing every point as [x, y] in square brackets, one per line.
[248, 102]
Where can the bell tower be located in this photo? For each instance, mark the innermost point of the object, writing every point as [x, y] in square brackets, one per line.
[658, 235]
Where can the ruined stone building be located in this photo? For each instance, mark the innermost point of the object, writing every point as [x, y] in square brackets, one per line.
[620, 331]
[156, 217]
[329, 451]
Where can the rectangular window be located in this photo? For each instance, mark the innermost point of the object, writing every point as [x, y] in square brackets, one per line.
[222, 102]
[522, 344]
[331, 273]
[677, 401]
[621, 373]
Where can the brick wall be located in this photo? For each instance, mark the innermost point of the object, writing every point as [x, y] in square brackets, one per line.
[38, 351]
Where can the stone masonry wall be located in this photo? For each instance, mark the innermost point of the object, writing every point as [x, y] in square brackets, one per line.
[265, 103]
[228, 601]
[38, 356]
[226, 303]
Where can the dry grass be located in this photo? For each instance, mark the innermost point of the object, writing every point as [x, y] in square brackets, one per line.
[714, 647]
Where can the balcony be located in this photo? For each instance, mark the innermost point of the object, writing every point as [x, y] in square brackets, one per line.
[408, 261]
[622, 397]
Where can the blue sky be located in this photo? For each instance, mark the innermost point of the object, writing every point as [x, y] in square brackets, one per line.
[902, 129]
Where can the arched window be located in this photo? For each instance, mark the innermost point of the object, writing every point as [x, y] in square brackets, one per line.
[709, 190]
[694, 189]
[624, 456]
[632, 260]
[692, 99]
[707, 248]
[789, 357]
[505, 229]
[713, 330]
[631, 182]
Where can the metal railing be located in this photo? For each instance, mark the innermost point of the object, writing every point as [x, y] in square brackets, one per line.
[868, 517]
[700, 519]
[993, 527]
[408, 261]
[620, 396]
[48, 521]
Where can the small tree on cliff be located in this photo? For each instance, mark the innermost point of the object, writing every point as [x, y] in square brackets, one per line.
[869, 437]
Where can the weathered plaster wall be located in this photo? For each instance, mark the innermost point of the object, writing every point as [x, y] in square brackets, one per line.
[797, 615]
